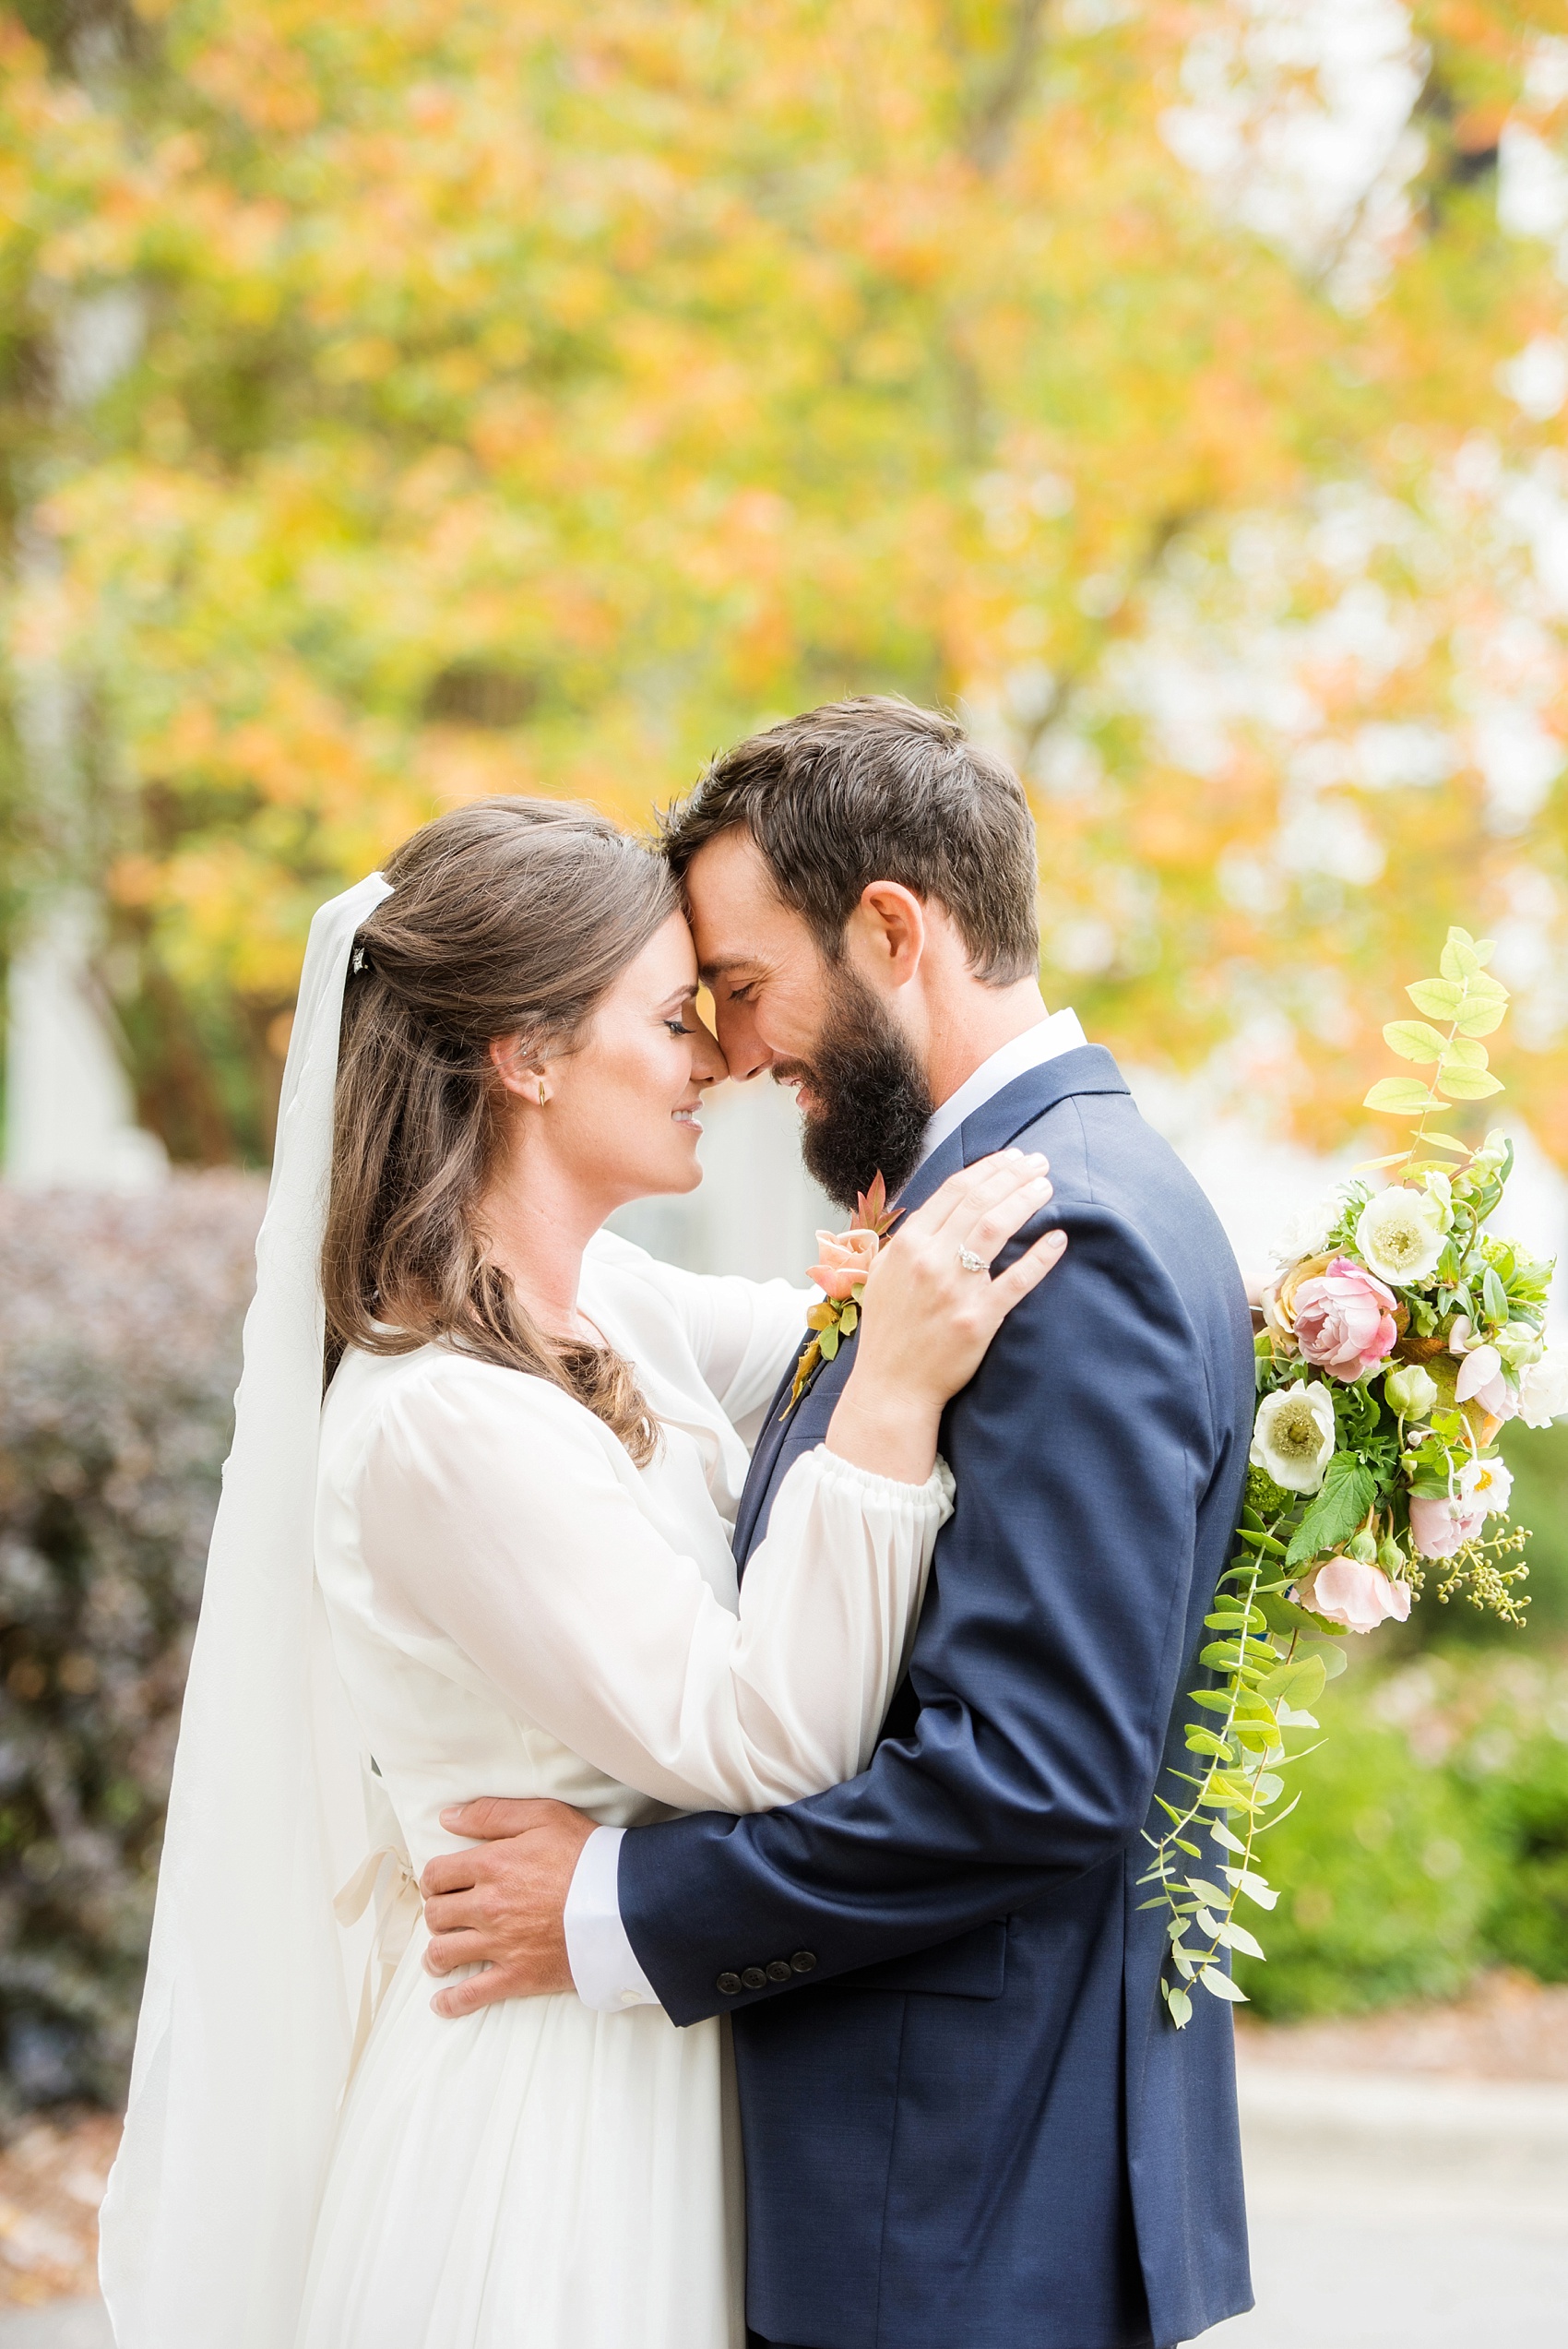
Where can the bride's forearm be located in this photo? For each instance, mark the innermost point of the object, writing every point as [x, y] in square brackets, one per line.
[876, 1427]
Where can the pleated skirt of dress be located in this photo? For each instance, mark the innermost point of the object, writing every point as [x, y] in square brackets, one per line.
[532, 2176]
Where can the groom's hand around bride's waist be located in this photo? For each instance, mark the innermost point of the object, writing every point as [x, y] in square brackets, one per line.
[501, 1904]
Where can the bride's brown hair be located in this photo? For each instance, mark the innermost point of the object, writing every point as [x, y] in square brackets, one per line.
[511, 917]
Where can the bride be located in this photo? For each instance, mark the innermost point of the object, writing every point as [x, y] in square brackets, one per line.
[497, 1558]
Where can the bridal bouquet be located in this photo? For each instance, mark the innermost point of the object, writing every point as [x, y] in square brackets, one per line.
[1398, 1336]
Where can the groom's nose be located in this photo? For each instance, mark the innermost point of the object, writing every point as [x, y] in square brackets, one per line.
[741, 1043]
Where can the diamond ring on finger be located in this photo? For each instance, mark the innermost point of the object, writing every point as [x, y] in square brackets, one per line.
[971, 1263]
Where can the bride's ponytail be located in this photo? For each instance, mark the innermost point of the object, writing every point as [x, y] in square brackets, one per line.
[508, 918]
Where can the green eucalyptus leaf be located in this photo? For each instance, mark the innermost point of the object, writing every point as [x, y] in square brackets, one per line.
[1439, 998]
[1400, 1096]
[1219, 1834]
[1181, 2008]
[1414, 1039]
[1468, 1084]
[1256, 1887]
[1202, 1741]
[1465, 1052]
[1220, 1985]
[1235, 1937]
[1205, 1891]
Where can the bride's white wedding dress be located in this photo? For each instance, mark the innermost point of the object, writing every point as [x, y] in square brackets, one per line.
[515, 1609]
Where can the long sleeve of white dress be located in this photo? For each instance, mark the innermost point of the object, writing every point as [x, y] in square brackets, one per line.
[499, 1513]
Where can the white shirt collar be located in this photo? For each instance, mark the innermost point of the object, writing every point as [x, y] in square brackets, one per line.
[1058, 1032]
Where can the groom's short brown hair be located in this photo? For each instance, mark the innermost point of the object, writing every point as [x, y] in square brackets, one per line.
[875, 789]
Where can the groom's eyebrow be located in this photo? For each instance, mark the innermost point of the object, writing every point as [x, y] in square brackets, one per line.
[711, 971]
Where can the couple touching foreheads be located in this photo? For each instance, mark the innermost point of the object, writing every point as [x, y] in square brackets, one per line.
[795, 1982]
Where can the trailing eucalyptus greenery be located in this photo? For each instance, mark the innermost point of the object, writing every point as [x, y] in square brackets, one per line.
[1398, 1338]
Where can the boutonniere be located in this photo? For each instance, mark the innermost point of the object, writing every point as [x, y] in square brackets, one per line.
[840, 1274]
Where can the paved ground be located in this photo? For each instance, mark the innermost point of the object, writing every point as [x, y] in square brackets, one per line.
[1389, 2211]
[1393, 2211]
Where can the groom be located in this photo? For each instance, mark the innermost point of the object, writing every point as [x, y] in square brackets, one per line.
[968, 2123]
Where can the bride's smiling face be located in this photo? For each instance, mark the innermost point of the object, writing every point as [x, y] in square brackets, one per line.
[620, 1120]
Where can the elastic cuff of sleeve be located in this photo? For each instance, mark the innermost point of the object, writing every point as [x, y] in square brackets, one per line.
[935, 1494]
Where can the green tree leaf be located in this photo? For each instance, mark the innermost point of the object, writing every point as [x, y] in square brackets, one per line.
[1220, 1985]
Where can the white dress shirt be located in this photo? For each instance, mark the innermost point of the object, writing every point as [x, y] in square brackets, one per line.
[599, 1950]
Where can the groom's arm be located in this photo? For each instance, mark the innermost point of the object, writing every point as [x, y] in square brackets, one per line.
[1046, 1665]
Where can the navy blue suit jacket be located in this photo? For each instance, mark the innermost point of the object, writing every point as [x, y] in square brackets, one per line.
[968, 2124]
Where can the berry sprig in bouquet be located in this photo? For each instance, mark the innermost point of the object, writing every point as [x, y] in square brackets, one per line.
[1398, 1336]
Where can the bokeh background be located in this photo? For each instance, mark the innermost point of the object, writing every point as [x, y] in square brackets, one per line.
[404, 401]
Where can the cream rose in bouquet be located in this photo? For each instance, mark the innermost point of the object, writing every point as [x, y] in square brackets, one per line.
[1398, 1337]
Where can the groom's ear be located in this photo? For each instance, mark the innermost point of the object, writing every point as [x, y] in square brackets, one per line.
[885, 934]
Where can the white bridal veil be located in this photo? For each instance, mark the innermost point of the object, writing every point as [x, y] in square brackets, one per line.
[245, 2032]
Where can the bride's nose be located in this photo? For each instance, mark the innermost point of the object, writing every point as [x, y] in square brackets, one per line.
[708, 1064]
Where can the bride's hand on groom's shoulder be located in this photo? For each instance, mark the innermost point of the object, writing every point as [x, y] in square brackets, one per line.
[932, 1303]
[501, 1903]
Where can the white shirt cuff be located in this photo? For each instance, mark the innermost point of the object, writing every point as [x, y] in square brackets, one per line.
[605, 1964]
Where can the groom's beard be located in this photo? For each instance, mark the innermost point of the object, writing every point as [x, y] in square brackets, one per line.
[873, 1102]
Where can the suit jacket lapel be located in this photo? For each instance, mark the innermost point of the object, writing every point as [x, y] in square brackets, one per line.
[943, 1162]
[1089, 1069]
[775, 1427]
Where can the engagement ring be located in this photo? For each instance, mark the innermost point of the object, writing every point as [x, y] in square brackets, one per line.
[971, 1263]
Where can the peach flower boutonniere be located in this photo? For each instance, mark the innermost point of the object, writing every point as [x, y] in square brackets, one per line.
[844, 1260]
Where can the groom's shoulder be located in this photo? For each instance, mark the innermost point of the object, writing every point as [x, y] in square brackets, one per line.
[1111, 1168]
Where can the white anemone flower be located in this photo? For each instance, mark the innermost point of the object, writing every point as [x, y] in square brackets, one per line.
[1486, 1484]
[1400, 1235]
[1293, 1436]
[1543, 1390]
[1306, 1232]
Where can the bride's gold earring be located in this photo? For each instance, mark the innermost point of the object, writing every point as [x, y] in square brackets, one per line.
[542, 1092]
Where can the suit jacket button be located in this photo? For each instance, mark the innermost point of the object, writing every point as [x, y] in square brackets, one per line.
[803, 1961]
[779, 1970]
[728, 1984]
[754, 1978]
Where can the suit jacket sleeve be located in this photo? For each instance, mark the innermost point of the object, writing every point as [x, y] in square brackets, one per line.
[1046, 1664]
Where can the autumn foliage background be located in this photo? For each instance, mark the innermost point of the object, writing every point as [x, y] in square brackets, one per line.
[407, 400]
[410, 400]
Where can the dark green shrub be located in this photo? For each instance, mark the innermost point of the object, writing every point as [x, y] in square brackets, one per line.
[119, 1349]
[1525, 1813]
[1383, 1874]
